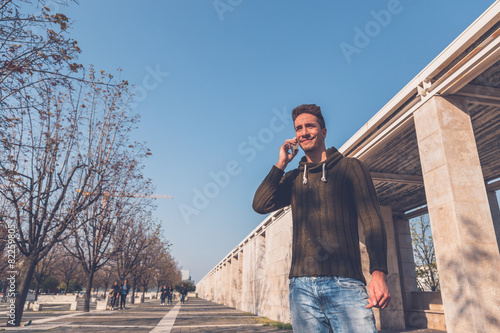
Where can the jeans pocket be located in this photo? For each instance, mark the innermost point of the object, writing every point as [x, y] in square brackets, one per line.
[350, 283]
[291, 283]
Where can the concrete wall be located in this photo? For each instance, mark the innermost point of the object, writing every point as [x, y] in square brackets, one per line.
[255, 274]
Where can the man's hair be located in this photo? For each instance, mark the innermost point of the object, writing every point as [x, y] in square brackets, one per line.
[311, 109]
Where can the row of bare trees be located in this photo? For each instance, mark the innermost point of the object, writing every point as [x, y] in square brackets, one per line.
[145, 261]
[69, 171]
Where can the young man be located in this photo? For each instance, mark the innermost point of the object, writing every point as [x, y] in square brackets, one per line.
[328, 194]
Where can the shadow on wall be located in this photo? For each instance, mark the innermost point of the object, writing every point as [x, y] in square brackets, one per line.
[482, 304]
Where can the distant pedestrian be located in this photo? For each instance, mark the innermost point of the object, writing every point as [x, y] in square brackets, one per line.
[170, 293]
[163, 294]
[123, 294]
[183, 293]
[114, 294]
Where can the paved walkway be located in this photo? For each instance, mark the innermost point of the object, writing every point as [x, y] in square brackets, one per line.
[197, 315]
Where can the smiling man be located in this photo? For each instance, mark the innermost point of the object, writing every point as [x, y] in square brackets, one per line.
[329, 194]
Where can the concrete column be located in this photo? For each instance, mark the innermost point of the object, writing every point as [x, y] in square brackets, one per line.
[408, 276]
[218, 289]
[261, 289]
[464, 238]
[212, 289]
[406, 261]
[221, 284]
[227, 283]
[209, 287]
[234, 281]
[243, 284]
[391, 317]
[495, 214]
[215, 285]
[248, 301]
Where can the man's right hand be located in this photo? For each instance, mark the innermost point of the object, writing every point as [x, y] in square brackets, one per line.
[286, 153]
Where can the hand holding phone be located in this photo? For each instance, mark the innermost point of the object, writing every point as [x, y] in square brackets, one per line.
[287, 152]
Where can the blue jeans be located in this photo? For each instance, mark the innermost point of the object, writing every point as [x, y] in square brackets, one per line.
[330, 304]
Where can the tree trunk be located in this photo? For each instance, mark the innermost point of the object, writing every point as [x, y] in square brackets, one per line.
[67, 287]
[14, 317]
[37, 290]
[88, 292]
[132, 299]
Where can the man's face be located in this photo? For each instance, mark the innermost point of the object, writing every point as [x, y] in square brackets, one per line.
[309, 133]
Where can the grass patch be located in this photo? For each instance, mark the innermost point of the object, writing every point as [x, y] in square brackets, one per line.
[276, 324]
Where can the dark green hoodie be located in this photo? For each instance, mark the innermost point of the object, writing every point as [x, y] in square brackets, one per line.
[327, 200]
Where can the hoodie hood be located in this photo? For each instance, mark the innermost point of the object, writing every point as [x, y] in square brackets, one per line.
[332, 158]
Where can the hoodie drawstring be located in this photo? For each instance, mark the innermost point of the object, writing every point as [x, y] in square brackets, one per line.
[323, 177]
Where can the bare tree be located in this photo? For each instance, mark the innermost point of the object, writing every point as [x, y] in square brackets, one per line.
[55, 153]
[67, 268]
[35, 173]
[93, 243]
[105, 276]
[166, 269]
[145, 271]
[44, 269]
[136, 237]
[4, 249]
[29, 59]
[424, 254]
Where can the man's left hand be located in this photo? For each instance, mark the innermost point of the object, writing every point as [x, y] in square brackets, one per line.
[379, 293]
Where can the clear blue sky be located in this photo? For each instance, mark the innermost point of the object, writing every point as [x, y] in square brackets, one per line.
[213, 84]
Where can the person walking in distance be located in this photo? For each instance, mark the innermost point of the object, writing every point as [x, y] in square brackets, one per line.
[115, 292]
[163, 294]
[328, 194]
[170, 293]
[123, 293]
[183, 292]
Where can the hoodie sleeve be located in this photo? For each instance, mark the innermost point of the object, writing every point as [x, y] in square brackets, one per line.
[369, 215]
[273, 193]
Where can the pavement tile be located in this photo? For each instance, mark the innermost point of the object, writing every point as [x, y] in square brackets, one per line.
[195, 316]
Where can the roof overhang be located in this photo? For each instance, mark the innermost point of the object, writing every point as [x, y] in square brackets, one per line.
[469, 69]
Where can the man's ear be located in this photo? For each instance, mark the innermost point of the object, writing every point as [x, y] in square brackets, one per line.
[324, 132]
